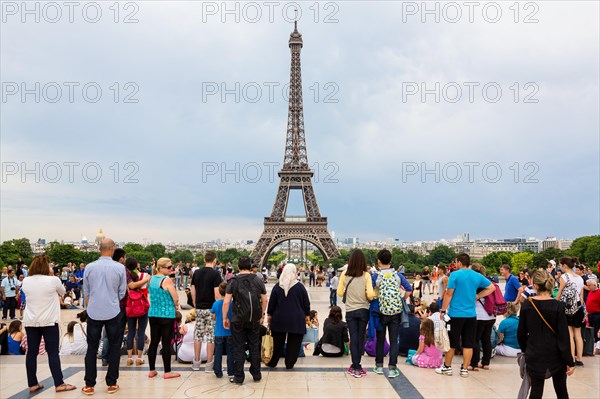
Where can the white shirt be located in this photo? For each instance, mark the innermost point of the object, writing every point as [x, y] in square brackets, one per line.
[79, 344]
[481, 313]
[43, 306]
[335, 281]
[576, 279]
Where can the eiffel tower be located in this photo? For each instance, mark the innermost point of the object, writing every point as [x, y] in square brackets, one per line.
[295, 175]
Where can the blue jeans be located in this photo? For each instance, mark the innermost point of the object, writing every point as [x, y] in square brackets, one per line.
[136, 326]
[178, 282]
[357, 325]
[393, 325]
[332, 297]
[222, 345]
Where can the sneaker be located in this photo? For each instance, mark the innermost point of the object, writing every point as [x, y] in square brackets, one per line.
[444, 370]
[104, 363]
[578, 363]
[209, 366]
[350, 370]
[362, 371]
[464, 372]
[113, 389]
[357, 373]
[378, 370]
[196, 365]
[87, 390]
[393, 373]
[234, 381]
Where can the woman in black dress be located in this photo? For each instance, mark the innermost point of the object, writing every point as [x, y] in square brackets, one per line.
[288, 313]
[543, 336]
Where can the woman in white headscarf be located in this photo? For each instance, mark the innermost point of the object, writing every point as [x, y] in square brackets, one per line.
[288, 312]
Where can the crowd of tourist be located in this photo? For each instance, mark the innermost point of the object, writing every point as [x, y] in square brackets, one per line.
[549, 317]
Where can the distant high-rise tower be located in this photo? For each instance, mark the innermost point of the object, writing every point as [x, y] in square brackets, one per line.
[295, 175]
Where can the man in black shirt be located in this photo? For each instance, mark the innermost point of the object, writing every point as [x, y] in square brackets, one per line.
[205, 290]
[250, 304]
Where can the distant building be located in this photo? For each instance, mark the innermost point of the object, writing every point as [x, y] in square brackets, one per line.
[549, 242]
[563, 245]
[523, 244]
[99, 237]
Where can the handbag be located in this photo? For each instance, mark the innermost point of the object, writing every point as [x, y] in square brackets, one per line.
[441, 338]
[411, 353]
[371, 347]
[266, 348]
[311, 335]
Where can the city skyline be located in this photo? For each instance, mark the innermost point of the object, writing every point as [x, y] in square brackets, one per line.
[337, 238]
[180, 147]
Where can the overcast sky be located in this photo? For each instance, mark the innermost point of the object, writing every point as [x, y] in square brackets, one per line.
[163, 145]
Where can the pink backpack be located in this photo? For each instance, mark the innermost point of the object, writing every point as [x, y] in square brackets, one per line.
[495, 304]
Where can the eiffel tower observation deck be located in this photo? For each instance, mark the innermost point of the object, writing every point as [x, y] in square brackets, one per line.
[295, 174]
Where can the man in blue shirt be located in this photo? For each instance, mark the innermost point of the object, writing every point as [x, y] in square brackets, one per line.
[459, 302]
[105, 285]
[511, 290]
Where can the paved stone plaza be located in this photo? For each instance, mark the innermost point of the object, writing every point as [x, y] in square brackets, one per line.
[313, 377]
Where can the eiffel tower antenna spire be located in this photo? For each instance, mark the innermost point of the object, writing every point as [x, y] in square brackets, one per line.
[295, 174]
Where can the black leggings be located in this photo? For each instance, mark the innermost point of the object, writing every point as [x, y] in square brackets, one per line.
[161, 329]
[292, 349]
[559, 379]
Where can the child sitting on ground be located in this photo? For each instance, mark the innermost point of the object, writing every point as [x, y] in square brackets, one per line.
[314, 319]
[428, 356]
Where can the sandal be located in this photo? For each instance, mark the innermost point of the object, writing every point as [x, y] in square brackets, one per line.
[152, 374]
[129, 361]
[36, 388]
[171, 375]
[65, 387]
[486, 367]
[139, 361]
[471, 368]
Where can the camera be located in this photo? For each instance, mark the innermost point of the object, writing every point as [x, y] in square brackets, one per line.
[13, 289]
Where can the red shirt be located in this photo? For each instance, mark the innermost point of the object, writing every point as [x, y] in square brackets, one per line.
[593, 302]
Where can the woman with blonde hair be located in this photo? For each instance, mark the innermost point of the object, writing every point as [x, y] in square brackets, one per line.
[185, 353]
[164, 302]
[508, 344]
[543, 337]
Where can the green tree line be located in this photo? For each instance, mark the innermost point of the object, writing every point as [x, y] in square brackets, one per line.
[587, 249]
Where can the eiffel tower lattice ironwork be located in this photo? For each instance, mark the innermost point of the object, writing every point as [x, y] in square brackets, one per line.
[295, 175]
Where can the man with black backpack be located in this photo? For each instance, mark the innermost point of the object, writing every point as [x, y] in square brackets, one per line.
[249, 306]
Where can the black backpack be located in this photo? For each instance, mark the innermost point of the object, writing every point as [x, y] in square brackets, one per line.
[247, 298]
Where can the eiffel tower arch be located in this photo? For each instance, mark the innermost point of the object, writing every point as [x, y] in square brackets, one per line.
[295, 174]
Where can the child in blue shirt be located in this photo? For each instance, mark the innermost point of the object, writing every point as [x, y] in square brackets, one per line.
[223, 339]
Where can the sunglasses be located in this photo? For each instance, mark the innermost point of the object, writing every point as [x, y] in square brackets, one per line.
[168, 267]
